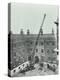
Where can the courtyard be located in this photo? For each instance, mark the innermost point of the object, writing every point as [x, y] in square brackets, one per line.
[37, 72]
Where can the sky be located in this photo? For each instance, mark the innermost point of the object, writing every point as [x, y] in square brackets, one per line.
[30, 16]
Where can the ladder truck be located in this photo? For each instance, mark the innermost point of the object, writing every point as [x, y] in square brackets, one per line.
[36, 42]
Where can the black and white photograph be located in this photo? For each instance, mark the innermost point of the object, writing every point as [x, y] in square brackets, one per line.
[33, 39]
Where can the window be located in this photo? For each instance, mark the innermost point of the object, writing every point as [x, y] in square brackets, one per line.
[41, 43]
[42, 50]
[47, 43]
[53, 43]
[36, 43]
[31, 42]
[41, 64]
[30, 49]
[14, 71]
[49, 58]
[27, 65]
[29, 58]
[14, 53]
[42, 58]
[36, 59]
[48, 51]
[36, 50]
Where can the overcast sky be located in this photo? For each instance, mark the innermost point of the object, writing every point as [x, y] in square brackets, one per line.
[30, 16]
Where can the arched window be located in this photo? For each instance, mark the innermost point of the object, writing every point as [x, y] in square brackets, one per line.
[36, 59]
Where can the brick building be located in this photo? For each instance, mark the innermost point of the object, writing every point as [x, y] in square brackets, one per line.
[22, 46]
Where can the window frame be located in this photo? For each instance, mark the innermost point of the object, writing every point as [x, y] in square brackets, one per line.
[42, 50]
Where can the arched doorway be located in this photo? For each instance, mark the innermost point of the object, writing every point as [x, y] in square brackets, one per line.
[36, 59]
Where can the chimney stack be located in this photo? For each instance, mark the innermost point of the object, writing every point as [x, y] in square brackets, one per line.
[21, 32]
[28, 32]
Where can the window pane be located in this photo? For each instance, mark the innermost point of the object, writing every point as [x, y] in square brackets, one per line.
[41, 43]
[36, 50]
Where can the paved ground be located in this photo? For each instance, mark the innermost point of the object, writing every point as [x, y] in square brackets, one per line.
[36, 72]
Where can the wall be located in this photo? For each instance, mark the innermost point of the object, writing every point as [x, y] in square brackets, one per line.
[49, 49]
[17, 69]
[40, 47]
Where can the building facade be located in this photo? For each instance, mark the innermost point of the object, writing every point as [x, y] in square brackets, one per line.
[22, 46]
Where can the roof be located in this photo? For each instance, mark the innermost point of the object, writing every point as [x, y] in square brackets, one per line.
[19, 37]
